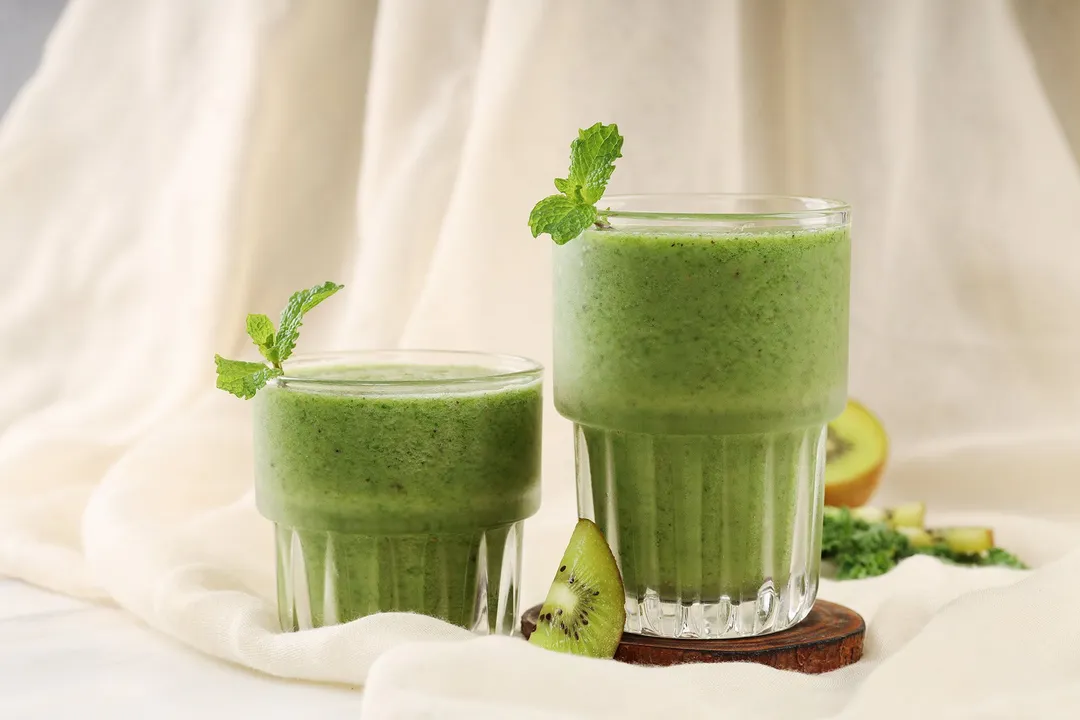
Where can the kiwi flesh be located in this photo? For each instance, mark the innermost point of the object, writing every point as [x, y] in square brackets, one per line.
[584, 612]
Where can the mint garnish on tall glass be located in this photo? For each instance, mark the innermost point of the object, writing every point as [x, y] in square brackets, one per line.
[592, 160]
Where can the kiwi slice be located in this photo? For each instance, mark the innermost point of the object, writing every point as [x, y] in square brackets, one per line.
[584, 611]
[855, 451]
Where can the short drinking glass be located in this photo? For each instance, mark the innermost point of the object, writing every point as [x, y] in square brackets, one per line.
[399, 481]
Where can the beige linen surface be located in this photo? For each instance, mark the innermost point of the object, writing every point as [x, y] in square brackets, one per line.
[174, 165]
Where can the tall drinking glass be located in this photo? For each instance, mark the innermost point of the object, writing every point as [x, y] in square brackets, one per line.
[700, 348]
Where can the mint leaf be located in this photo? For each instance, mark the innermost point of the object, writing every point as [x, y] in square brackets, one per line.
[243, 379]
[261, 331]
[561, 218]
[592, 161]
[566, 186]
[293, 314]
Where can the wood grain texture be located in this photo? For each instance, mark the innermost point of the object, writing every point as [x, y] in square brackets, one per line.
[829, 638]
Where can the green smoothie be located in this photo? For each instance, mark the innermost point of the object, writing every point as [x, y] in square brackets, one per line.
[700, 366]
[399, 486]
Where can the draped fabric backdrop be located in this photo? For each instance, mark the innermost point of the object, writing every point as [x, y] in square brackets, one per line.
[175, 165]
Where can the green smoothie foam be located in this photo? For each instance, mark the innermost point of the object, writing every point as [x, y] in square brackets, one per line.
[395, 487]
[700, 368]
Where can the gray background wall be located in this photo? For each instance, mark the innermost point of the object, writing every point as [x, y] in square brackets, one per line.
[24, 26]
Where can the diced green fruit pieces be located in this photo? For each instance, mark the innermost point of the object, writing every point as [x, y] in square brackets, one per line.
[965, 540]
[908, 515]
[584, 612]
[863, 542]
[917, 537]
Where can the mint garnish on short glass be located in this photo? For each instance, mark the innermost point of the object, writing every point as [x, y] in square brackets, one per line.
[243, 379]
[592, 160]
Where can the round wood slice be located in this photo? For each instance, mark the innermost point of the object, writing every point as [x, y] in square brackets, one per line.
[830, 637]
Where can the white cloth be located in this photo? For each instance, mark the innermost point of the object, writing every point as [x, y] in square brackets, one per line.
[173, 166]
[62, 658]
[943, 643]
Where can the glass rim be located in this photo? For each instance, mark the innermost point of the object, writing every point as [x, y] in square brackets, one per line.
[518, 366]
[813, 207]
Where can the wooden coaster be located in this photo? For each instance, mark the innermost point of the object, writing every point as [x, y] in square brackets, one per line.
[830, 637]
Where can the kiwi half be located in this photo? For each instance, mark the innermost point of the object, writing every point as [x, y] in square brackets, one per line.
[584, 612]
[855, 450]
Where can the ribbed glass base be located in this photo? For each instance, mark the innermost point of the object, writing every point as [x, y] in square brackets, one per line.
[470, 579]
[716, 536]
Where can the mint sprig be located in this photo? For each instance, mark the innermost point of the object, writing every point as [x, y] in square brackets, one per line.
[592, 160]
[243, 379]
